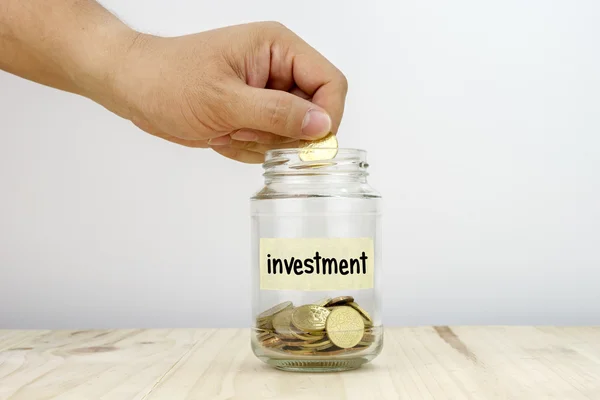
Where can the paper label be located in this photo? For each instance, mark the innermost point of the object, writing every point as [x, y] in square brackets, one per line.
[316, 263]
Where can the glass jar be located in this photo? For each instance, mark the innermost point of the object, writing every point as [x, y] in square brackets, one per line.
[316, 263]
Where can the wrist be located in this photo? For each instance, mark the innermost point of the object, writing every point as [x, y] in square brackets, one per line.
[101, 63]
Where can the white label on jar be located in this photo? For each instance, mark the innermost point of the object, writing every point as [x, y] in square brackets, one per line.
[316, 263]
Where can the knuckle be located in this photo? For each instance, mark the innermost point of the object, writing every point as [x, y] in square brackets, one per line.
[275, 25]
[344, 82]
[277, 111]
[271, 30]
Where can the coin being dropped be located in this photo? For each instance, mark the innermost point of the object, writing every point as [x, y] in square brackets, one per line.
[310, 318]
[322, 149]
[345, 327]
[274, 310]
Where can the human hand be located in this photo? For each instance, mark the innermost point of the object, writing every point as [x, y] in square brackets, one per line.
[240, 90]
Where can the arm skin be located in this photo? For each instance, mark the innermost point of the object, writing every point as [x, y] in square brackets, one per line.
[71, 45]
[240, 90]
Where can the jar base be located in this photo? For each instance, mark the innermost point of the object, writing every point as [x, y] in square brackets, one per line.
[316, 365]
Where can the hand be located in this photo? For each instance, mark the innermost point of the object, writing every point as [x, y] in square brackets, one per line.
[239, 90]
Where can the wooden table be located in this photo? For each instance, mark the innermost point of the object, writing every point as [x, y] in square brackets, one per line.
[417, 363]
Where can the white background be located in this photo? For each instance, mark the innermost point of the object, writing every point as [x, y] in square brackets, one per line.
[482, 124]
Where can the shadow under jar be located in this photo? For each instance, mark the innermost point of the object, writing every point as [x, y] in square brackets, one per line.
[316, 263]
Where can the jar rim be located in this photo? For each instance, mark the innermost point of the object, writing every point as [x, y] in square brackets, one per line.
[295, 150]
[289, 161]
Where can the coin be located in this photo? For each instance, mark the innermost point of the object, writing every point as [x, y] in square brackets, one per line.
[362, 312]
[324, 347]
[273, 310]
[265, 325]
[271, 342]
[322, 149]
[345, 327]
[310, 318]
[334, 351]
[263, 335]
[300, 352]
[307, 336]
[326, 328]
[322, 302]
[368, 337]
[317, 344]
[293, 342]
[338, 301]
[282, 321]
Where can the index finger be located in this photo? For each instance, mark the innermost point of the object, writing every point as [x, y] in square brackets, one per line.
[319, 78]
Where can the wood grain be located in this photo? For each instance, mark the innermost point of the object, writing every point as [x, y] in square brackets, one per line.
[417, 363]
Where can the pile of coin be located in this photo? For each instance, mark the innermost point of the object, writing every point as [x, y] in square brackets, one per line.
[326, 327]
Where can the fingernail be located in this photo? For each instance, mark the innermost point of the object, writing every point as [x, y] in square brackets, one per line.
[245, 136]
[316, 124]
[220, 141]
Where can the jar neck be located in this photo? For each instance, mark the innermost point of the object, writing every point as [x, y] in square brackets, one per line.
[287, 166]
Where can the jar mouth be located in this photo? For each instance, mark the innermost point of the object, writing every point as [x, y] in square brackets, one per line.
[289, 161]
[297, 150]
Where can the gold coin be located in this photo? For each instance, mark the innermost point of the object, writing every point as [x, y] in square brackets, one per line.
[322, 149]
[310, 318]
[263, 335]
[274, 310]
[345, 327]
[292, 342]
[299, 352]
[265, 319]
[322, 302]
[324, 347]
[307, 337]
[334, 351]
[316, 345]
[368, 337]
[370, 329]
[265, 325]
[339, 301]
[271, 342]
[362, 312]
[282, 321]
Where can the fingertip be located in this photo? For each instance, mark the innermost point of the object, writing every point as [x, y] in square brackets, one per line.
[220, 141]
[316, 124]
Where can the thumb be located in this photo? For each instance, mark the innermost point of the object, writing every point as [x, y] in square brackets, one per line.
[283, 114]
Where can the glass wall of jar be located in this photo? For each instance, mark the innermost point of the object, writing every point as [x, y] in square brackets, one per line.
[316, 263]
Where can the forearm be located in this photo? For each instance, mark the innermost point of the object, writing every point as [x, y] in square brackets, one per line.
[72, 45]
